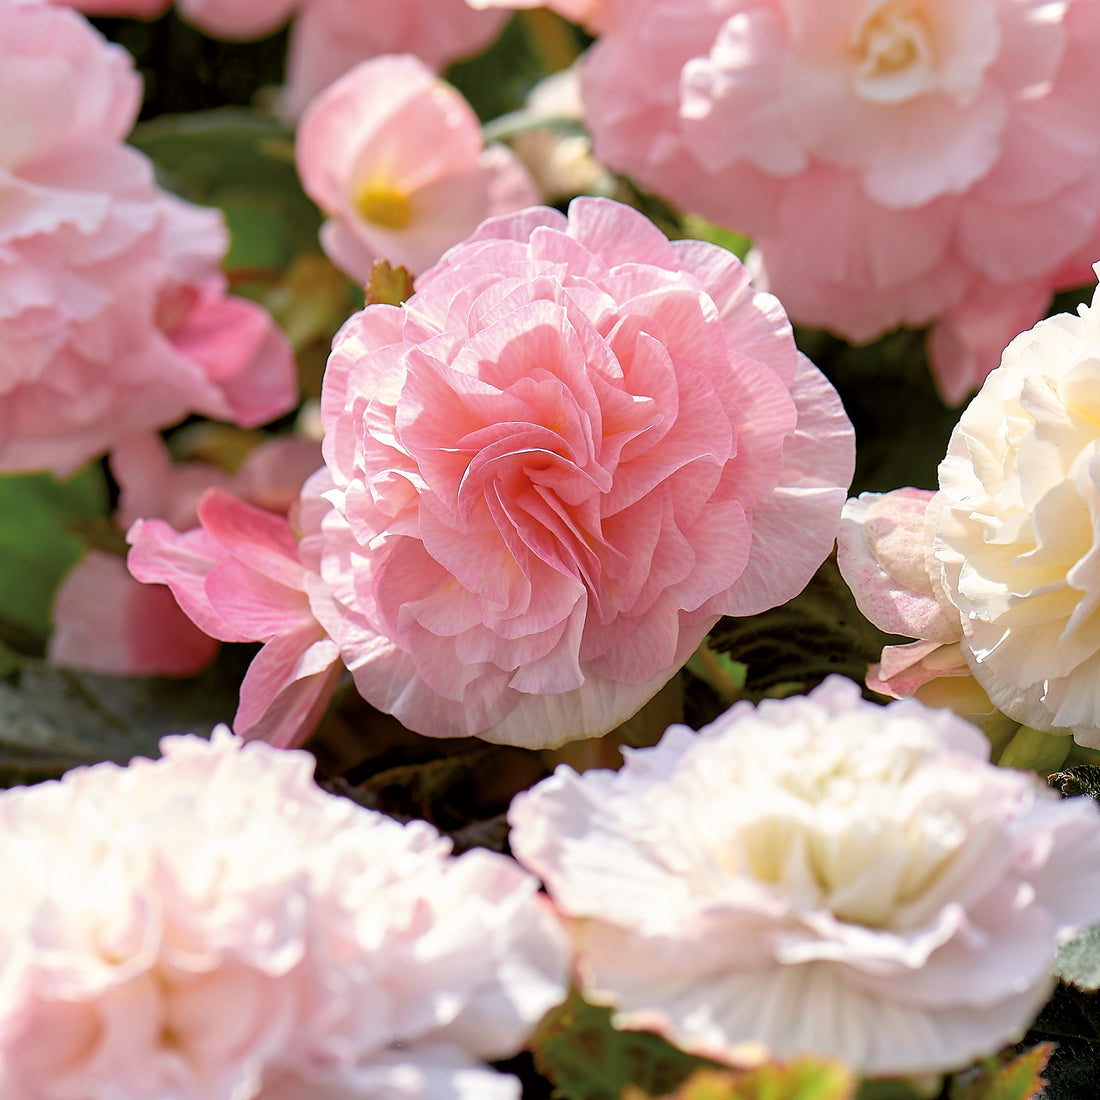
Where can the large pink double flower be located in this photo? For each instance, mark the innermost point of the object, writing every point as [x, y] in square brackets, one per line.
[895, 161]
[550, 472]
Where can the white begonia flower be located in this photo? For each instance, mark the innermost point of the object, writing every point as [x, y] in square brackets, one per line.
[214, 926]
[1015, 528]
[819, 875]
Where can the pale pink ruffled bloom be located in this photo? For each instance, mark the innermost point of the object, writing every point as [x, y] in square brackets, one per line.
[395, 158]
[819, 875]
[572, 450]
[213, 926]
[895, 162]
[113, 314]
[104, 620]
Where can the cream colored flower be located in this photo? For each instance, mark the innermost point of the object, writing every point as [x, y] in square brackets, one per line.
[1016, 527]
[820, 875]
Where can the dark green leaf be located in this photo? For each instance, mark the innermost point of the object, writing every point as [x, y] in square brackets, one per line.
[52, 719]
[242, 161]
[587, 1059]
[1078, 960]
[805, 1079]
[1077, 779]
[1016, 1079]
[902, 425]
[38, 546]
[797, 645]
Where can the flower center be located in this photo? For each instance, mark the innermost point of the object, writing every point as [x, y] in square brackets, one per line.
[894, 50]
[808, 846]
[383, 205]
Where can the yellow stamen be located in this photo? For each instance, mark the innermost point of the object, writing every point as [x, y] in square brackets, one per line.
[383, 205]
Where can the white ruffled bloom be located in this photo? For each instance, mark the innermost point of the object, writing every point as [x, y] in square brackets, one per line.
[213, 926]
[1016, 527]
[820, 875]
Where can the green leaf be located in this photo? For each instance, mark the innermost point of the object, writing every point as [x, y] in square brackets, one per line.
[242, 161]
[804, 1079]
[793, 647]
[1077, 779]
[53, 719]
[587, 1059]
[1077, 961]
[1018, 1079]
[902, 425]
[38, 545]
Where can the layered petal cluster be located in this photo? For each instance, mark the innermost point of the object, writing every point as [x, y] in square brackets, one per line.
[819, 875]
[996, 575]
[396, 160]
[242, 576]
[551, 471]
[106, 621]
[213, 926]
[113, 314]
[1015, 527]
[895, 161]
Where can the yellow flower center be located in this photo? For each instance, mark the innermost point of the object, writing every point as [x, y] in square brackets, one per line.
[894, 47]
[383, 205]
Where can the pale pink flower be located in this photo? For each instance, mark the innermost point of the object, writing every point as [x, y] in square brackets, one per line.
[329, 37]
[242, 576]
[574, 448]
[395, 158]
[895, 161]
[820, 875]
[106, 621]
[113, 315]
[213, 926]
[883, 549]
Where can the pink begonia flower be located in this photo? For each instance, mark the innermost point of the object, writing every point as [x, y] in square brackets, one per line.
[242, 576]
[819, 875]
[106, 621]
[214, 926]
[113, 315]
[896, 163]
[882, 551]
[551, 471]
[395, 158]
